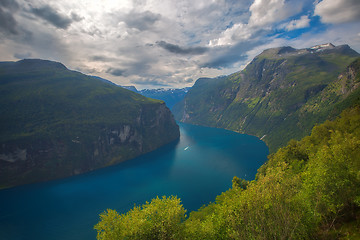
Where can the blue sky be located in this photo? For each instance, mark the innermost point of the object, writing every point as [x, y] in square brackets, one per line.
[167, 43]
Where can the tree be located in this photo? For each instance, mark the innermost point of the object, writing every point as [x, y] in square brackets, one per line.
[159, 219]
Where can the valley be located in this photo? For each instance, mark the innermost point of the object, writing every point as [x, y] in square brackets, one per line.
[65, 123]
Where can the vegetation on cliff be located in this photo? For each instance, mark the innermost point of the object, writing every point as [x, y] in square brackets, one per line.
[307, 190]
[279, 96]
[56, 122]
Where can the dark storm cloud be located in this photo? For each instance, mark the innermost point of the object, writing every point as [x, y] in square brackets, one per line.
[181, 50]
[76, 17]
[116, 71]
[99, 58]
[224, 61]
[141, 21]
[7, 22]
[226, 57]
[11, 5]
[52, 16]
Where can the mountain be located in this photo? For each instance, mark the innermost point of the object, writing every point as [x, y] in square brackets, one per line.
[280, 95]
[102, 79]
[131, 88]
[169, 96]
[56, 123]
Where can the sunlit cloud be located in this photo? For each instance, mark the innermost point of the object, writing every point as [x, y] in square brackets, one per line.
[151, 43]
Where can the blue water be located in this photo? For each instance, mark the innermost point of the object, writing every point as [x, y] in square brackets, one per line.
[196, 168]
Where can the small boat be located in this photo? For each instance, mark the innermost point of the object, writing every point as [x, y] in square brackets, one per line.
[186, 148]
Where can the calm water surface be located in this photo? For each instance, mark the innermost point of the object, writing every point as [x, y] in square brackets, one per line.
[196, 168]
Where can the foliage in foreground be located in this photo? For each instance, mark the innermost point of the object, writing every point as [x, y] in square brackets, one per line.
[159, 219]
[307, 190]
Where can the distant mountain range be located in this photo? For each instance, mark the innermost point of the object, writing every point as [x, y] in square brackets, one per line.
[56, 123]
[280, 95]
[169, 96]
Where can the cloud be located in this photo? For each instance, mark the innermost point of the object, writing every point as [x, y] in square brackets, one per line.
[338, 11]
[264, 15]
[232, 35]
[226, 57]
[162, 42]
[147, 82]
[52, 16]
[11, 5]
[181, 50]
[265, 12]
[76, 17]
[303, 22]
[141, 20]
[116, 71]
[22, 55]
[8, 23]
[225, 61]
[100, 58]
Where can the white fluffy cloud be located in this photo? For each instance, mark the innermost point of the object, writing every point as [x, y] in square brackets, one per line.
[263, 15]
[232, 35]
[303, 22]
[266, 12]
[338, 11]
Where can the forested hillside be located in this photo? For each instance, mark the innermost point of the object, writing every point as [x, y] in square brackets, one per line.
[307, 190]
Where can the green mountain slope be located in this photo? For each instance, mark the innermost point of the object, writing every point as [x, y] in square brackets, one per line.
[271, 97]
[55, 122]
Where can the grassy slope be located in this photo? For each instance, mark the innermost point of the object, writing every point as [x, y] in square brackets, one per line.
[267, 96]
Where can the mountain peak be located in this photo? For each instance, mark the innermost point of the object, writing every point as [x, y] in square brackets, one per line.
[284, 52]
[323, 46]
[40, 63]
[275, 52]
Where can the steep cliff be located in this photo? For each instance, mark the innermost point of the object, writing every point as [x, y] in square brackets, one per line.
[269, 97]
[56, 123]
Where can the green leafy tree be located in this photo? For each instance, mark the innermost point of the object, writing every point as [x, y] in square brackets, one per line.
[302, 192]
[159, 219]
[239, 183]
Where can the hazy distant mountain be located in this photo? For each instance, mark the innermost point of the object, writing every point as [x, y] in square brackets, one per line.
[169, 96]
[55, 122]
[280, 95]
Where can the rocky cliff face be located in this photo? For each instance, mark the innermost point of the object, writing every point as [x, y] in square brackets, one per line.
[51, 131]
[266, 98]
